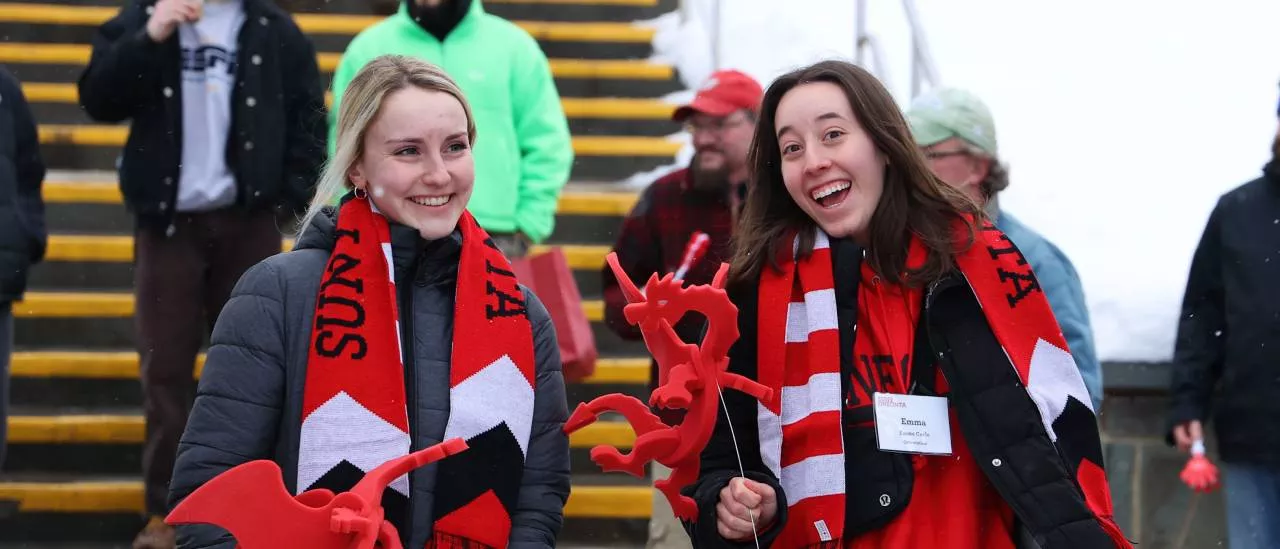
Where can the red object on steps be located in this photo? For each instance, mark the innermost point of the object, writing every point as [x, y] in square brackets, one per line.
[549, 276]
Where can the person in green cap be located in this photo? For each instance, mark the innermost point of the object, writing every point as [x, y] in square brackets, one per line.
[957, 134]
[523, 148]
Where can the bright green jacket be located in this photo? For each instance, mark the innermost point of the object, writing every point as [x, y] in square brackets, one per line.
[523, 151]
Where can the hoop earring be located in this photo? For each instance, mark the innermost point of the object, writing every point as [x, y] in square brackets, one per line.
[360, 193]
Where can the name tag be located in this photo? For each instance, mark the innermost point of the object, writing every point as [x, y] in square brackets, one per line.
[913, 424]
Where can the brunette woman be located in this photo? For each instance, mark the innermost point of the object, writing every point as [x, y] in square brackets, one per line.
[924, 396]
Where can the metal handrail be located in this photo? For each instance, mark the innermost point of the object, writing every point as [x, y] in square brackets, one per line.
[879, 67]
[923, 66]
[923, 69]
[712, 20]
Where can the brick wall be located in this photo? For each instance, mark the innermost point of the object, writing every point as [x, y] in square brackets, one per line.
[1152, 505]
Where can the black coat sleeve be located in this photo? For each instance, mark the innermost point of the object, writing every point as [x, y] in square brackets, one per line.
[544, 487]
[1200, 347]
[31, 171]
[237, 409]
[124, 67]
[305, 115]
[22, 228]
[735, 437]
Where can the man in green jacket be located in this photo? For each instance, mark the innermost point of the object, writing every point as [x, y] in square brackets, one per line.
[523, 150]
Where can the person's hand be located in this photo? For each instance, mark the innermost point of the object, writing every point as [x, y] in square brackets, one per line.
[1187, 433]
[741, 501]
[168, 14]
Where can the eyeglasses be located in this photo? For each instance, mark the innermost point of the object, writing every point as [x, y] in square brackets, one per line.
[934, 155]
[713, 125]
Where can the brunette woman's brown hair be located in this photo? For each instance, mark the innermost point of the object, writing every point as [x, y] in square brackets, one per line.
[914, 201]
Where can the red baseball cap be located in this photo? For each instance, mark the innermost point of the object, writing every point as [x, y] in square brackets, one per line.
[725, 92]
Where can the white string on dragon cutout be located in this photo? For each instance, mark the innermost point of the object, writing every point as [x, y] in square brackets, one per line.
[737, 452]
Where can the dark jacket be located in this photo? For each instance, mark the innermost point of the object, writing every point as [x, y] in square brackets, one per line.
[998, 419]
[276, 141]
[22, 230]
[249, 402]
[1229, 330]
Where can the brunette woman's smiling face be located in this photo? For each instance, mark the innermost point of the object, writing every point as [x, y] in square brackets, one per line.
[830, 166]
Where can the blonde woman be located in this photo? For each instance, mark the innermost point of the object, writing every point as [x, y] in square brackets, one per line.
[395, 323]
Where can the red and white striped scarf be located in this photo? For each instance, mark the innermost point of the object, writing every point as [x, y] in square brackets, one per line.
[355, 409]
[801, 435]
[801, 439]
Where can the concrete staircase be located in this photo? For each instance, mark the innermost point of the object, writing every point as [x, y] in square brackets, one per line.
[76, 425]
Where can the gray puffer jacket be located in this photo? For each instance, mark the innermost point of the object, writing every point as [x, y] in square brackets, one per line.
[249, 402]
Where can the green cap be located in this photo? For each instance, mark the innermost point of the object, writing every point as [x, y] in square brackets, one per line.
[940, 114]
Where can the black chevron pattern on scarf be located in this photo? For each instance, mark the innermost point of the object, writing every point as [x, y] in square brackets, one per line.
[1078, 424]
[493, 462]
[344, 476]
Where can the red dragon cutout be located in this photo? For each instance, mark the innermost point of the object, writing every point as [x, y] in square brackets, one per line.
[251, 502]
[690, 378]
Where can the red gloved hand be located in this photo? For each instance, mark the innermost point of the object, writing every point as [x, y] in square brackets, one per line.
[1200, 473]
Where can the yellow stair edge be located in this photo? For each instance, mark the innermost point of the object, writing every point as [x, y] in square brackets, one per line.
[81, 192]
[613, 145]
[119, 249]
[622, 502]
[630, 69]
[120, 304]
[571, 202]
[332, 23]
[591, 145]
[75, 497]
[637, 69]
[129, 429]
[619, 108]
[74, 305]
[124, 365]
[76, 429]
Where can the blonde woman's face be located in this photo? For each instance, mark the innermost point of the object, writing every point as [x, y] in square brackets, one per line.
[417, 165]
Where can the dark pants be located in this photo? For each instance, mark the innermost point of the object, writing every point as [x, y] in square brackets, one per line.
[182, 282]
[6, 348]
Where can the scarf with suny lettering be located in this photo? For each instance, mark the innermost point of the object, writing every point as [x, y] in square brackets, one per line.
[355, 415]
[801, 435]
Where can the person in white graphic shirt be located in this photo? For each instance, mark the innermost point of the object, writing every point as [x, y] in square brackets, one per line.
[226, 112]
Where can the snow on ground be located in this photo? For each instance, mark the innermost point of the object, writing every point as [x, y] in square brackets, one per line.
[1121, 122]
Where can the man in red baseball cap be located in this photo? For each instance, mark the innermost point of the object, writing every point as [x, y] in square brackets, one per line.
[674, 211]
[721, 119]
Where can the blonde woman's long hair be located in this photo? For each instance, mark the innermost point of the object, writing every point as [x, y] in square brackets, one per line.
[359, 107]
